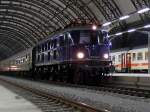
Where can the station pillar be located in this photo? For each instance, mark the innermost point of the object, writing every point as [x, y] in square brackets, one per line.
[149, 53]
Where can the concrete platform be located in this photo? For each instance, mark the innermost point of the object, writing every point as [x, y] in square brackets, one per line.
[11, 102]
[131, 74]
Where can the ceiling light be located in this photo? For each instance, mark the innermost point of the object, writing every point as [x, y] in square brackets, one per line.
[143, 10]
[147, 26]
[94, 27]
[106, 24]
[131, 30]
[119, 33]
[124, 17]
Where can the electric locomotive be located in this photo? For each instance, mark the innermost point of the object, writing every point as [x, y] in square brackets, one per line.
[76, 55]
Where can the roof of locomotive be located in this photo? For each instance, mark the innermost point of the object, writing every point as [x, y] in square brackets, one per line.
[54, 35]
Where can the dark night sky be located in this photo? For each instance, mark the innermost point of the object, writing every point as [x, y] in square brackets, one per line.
[130, 40]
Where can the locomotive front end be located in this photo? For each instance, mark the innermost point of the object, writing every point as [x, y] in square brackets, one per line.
[91, 50]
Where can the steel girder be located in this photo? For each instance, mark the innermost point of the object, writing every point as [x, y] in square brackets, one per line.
[110, 11]
[15, 35]
[138, 4]
[28, 21]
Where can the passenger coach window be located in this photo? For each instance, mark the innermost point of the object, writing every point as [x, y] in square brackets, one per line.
[113, 58]
[133, 56]
[140, 56]
[146, 55]
[119, 58]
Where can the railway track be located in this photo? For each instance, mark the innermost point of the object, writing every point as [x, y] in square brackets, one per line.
[125, 90]
[47, 102]
[109, 88]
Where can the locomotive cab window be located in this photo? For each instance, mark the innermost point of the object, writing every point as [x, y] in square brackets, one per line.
[86, 37]
[68, 39]
[75, 36]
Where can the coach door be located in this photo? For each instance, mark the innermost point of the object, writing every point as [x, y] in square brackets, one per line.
[123, 62]
[128, 62]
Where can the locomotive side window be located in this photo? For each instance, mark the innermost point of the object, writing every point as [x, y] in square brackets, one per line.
[49, 45]
[38, 58]
[55, 43]
[49, 56]
[43, 47]
[55, 54]
[43, 57]
[39, 49]
[140, 56]
[61, 41]
[133, 56]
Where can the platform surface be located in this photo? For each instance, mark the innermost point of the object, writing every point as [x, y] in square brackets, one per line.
[131, 74]
[11, 102]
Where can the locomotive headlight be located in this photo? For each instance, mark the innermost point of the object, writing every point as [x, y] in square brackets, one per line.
[80, 55]
[106, 56]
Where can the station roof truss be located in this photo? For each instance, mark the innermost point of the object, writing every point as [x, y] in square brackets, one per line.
[23, 23]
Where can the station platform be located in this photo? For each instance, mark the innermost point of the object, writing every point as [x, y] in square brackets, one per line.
[131, 74]
[9, 102]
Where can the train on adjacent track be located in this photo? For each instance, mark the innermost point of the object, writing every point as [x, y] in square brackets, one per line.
[76, 55]
[133, 60]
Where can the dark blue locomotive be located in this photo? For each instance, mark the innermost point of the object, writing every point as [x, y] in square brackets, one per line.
[75, 55]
